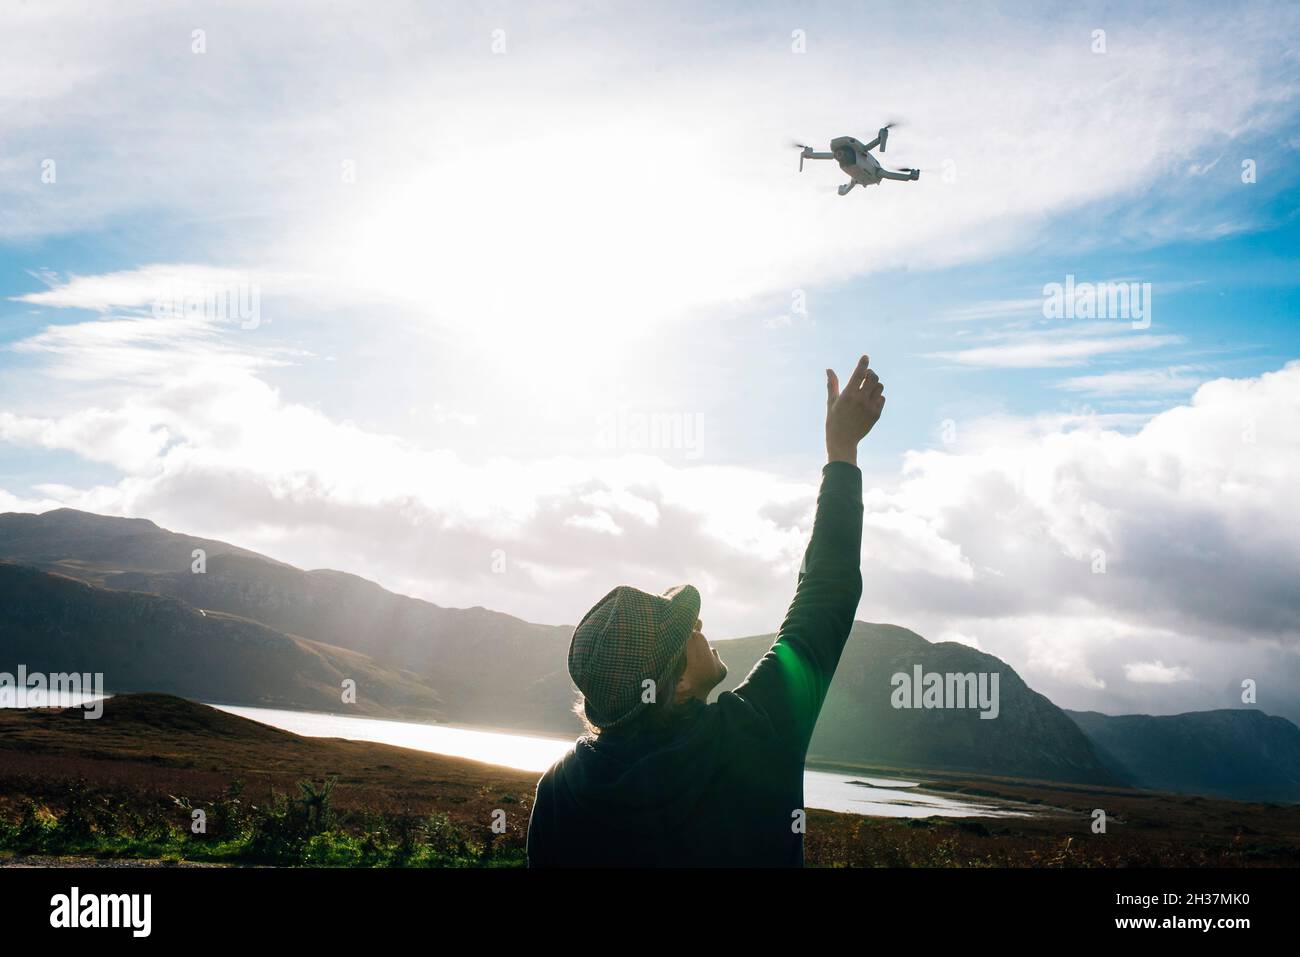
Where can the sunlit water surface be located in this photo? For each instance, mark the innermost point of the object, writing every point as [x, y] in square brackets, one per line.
[829, 790]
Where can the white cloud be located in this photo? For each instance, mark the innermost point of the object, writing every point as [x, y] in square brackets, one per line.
[595, 165]
[147, 286]
[995, 309]
[1156, 672]
[1135, 382]
[1190, 513]
[998, 535]
[1053, 353]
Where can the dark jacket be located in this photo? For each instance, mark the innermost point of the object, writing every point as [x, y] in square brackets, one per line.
[722, 785]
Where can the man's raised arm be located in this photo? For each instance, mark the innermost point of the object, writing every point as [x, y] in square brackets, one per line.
[789, 684]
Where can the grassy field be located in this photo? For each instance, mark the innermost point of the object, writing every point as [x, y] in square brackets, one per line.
[127, 785]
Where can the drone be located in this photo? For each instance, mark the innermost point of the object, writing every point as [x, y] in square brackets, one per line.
[856, 160]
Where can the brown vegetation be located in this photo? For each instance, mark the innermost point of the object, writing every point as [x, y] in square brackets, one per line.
[148, 749]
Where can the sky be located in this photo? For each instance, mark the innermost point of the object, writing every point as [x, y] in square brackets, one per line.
[503, 305]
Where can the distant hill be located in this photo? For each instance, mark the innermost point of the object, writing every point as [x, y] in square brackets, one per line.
[485, 667]
[143, 642]
[103, 541]
[1238, 753]
[1031, 737]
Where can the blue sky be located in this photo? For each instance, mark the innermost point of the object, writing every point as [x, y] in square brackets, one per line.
[483, 243]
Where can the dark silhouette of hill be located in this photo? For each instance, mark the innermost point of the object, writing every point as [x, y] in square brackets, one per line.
[54, 624]
[486, 667]
[1030, 737]
[151, 712]
[1237, 753]
[158, 744]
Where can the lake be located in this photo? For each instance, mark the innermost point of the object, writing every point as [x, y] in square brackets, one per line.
[829, 790]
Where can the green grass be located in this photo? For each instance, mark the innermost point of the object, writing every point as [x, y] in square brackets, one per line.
[302, 830]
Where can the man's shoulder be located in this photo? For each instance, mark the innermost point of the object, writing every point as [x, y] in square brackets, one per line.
[732, 712]
[565, 757]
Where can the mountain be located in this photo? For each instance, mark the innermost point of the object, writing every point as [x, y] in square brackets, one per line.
[94, 593]
[102, 541]
[1030, 737]
[1237, 753]
[485, 667]
[142, 642]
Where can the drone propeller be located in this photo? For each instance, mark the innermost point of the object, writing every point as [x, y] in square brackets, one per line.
[882, 139]
[804, 151]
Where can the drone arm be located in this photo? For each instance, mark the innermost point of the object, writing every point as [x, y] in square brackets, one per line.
[813, 155]
[881, 139]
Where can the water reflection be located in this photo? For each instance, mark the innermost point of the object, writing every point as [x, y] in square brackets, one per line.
[829, 790]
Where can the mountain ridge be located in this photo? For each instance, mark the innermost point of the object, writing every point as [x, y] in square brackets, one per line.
[1240, 753]
[481, 667]
[859, 716]
[144, 642]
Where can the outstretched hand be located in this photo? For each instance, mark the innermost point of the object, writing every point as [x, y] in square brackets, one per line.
[851, 414]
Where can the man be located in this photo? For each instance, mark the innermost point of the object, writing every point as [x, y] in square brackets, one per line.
[663, 778]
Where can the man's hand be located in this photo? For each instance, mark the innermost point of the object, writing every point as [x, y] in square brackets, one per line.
[851, 414]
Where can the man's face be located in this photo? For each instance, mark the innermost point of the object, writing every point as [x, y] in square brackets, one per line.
[704, 669]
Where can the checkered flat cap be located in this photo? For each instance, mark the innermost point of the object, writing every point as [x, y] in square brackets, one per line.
[629, 636]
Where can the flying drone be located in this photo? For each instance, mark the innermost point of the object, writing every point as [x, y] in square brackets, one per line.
[856, 160]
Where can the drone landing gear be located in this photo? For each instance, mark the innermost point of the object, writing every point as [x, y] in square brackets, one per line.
[845, 187]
